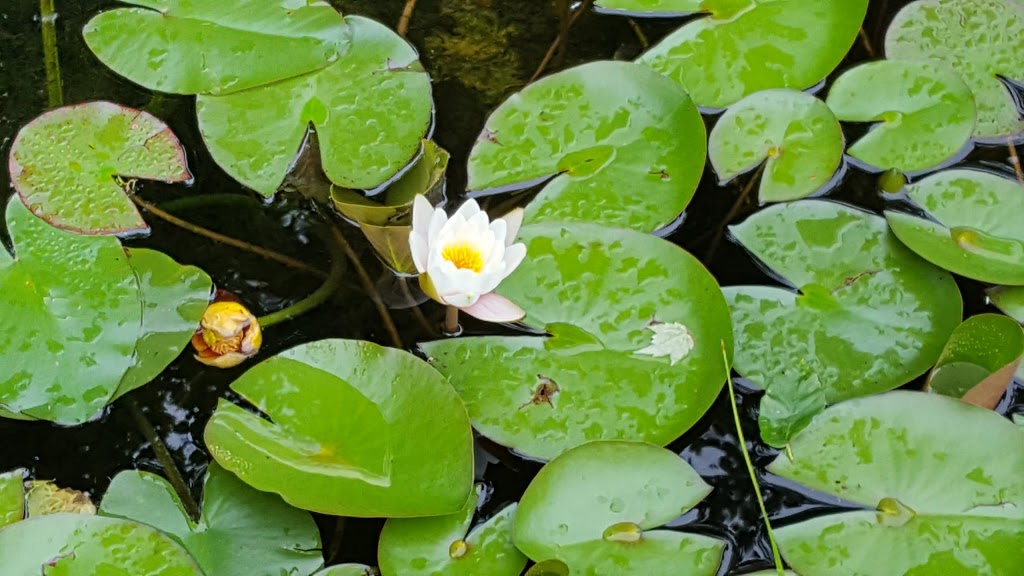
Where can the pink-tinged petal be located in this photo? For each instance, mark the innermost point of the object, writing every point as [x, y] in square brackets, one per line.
[468, 209]
[421, 213]
[419, 250]
[514, 255]
[513, 221]
[495, 308]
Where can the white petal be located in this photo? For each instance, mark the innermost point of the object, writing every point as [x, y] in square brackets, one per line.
[514, 255]
[500, 230]
[456, 287]
[468, 209]
[672, 339]
[421, 213]
[419, 250]
[495, 308]
[438, 220]
[513, 221]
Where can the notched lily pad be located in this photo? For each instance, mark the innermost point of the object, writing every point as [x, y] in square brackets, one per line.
[869, 315]
[1009, 299]
[620, 145]
[979, 360]
[445, 546]
[186, 47]
[66, 163]
[940, 479]
[746, 46]
[980, 39]
[354, 429]
[793, 132]
[926, 111]
[596, 508]
[370, 109]
[597, 291]
[976, 229]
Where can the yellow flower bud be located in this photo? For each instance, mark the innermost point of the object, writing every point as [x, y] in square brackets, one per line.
[228, 335]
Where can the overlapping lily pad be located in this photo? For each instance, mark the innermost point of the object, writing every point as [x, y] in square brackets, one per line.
[940, 479]
[976, 229]
[795, 133]
[869, 314]
[187, 47]
[347, 570]
[620, 145]
[650, 8]
[12, 497]
[927, 113]
[979, 360]
[64, 163]
[980, 39]
[86, 545]
[352, 429]
[242, 531]
[596, 508]
[440, 546]
[1009, 299]
[596, 290]
[371, 108]
[746, 46]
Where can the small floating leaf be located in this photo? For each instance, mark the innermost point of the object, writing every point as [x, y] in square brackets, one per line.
[354, 429]
[869, 315]
[188, 47]
[979, 360]
[794, 132]
[948, 470]
[371, 109]
[1009, 299]
[85, 545]
[977, 230]
[980, 39]
[746, 46]
[12, 497]
[595, 508]
[548, 568]
[445, 546]
[242, 531]
[64, 165]
[620, 145]
[596, 290]
[926, 110]
[651, 8]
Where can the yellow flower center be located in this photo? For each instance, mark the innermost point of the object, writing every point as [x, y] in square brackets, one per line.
[464, 256]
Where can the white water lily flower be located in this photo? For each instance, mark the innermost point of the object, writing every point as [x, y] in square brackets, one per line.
[462, 259]
[670, 339]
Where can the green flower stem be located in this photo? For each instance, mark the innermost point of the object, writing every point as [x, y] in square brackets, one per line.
[166, 460]
[54, 84]
[750, 466]
[322, 294]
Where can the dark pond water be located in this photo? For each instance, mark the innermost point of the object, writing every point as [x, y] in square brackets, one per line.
[478, 52]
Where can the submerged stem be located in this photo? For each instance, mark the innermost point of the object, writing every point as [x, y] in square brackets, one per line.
[451, 321]
[750, 466]
[54, 83]
[1015, 160]
[371, 290]
[403, 22]
[744, 194]
[560, 39]
[321, 295]
[166, 460]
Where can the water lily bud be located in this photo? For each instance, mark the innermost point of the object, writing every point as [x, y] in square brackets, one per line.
[462, 259]
[228, 335]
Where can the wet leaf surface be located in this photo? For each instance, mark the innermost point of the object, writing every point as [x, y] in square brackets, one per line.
[596, 290]
[868, 315]
[188, 47]
[977, 229]
[64, 165]
[980, 39]
[596, 508]
[354, 429]
[620, 146]
[979, 360]
[940, 481]
[651, 8]
[12, 497]
[370, 109]
[1009, 299]
[794, 133]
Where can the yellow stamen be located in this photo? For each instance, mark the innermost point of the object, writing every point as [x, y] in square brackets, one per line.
[464, 256]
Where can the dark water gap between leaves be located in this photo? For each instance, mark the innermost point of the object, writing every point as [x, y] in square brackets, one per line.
[478, 51]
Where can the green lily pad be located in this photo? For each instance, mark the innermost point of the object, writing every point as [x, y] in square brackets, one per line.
[980, 39]
[370, 109]
[794, 132]
[596, 290]
[984, 349]
[617, 144]
[1009, 299]
[186, 47]
[444, 545]
[651, 8]
[87, 545]
[348, 570]
[976, 230]
[940, 479]
[745, 46]
[12, 497]
[64, 165]
[548, 568]
[927, 113]
[869, 315]
[242, 531]
[595, 508]
[174, 298]
[71, 320]
[354, 429]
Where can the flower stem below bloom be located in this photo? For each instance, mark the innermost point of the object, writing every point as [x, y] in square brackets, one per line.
[451, 322]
